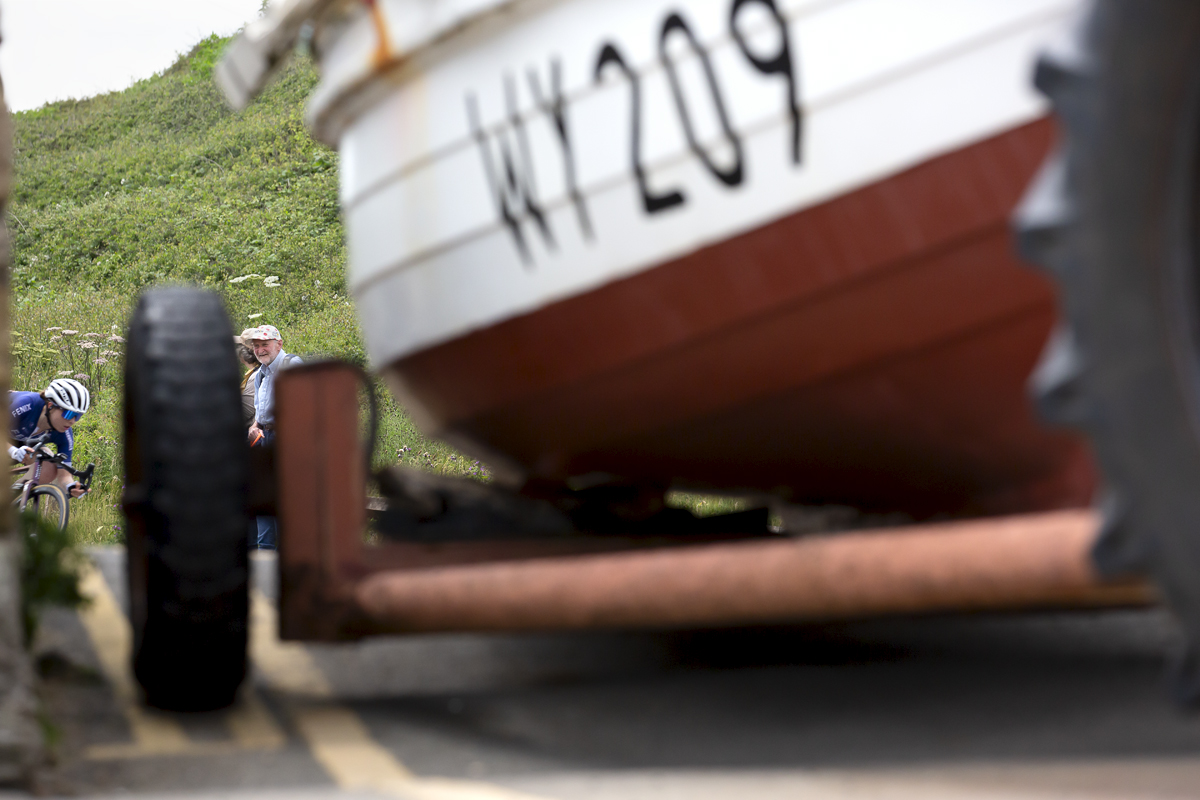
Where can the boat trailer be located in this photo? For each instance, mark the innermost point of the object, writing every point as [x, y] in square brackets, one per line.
[334, 586]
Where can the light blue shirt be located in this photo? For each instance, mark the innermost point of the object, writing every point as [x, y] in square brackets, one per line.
[264, 387]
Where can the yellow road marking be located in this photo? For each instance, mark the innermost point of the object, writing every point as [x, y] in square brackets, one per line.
[286, 666]
[112, 639]
[252, 725]
[156, 733]
[342, 745]
[133, 750]
[336, 736]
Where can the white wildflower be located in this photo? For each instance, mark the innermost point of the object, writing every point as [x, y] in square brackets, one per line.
[241, 278]
[254, 316]
[271, 281]
[88, 345]
[55, 328]
[101, 361]
[92, 335]
[64, 372]
[115, 338]
[55, 338]
[70, 333]
[81, 376]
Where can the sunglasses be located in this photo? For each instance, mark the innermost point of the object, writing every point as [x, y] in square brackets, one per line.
[69, 415]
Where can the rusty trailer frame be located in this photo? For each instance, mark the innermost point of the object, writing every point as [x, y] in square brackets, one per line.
[334, 586]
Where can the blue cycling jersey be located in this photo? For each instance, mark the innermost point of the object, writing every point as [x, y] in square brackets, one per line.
[26, 409]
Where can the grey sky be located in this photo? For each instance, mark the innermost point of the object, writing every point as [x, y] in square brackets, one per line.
[56, 49]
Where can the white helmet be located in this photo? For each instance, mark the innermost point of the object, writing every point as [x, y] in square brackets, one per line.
[69, 395]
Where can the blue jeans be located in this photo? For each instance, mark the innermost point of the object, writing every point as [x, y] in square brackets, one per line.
[264, 530]
[263, 533]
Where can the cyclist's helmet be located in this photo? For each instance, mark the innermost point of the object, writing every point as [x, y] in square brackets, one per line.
[69, 395]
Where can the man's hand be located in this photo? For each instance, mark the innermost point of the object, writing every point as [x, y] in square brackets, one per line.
[254, 434]
[18, 454]
[76, 490]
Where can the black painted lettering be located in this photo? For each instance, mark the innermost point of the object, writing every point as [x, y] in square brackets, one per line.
[653, 203]
[733, 175]
[781, 63]
[511, 180]
[532, 207]
[556, 108]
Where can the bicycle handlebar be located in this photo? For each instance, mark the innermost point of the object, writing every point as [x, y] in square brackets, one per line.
[84, 475]
[38, 444]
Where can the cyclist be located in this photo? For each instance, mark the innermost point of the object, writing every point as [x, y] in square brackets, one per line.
[56, 410]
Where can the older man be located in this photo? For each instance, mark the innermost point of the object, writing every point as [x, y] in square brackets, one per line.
[267, 345]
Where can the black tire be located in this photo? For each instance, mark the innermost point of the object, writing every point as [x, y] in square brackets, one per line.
[50, 503]
[186, 463]
[1114, 216]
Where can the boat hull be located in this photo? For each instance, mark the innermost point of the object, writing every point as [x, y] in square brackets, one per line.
[871, 351]
[743, 245]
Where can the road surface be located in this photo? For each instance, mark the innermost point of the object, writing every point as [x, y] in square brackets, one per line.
[1025, 706]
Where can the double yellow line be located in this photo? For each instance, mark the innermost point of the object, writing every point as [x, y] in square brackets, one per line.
[334, 733]
[155, 733]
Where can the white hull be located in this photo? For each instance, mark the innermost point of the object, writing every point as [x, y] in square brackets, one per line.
[437, 155]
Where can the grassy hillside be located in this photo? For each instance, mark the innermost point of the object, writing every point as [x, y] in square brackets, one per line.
[163, 183]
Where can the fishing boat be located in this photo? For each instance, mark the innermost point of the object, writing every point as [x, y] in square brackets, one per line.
[615, 248]
[734, 245]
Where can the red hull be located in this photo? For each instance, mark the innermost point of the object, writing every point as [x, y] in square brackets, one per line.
[870, 351]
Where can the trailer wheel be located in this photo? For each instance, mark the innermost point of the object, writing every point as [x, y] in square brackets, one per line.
[186, 471]
[1115, 217]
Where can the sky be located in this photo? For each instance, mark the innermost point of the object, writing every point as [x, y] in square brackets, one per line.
[59, 49]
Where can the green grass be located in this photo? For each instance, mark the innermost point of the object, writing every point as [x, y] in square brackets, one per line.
[707, 505]
[38, 358]
[162, 183]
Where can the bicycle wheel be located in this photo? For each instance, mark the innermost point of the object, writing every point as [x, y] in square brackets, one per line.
[187, 465]
[50, 503]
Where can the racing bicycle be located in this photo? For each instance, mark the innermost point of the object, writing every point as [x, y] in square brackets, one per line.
[47, 500]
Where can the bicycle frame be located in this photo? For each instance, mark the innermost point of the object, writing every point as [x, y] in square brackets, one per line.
[35, 473]
[41, 456]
